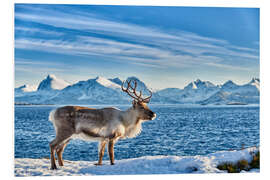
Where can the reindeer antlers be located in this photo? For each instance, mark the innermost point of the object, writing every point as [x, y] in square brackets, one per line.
[133, 94]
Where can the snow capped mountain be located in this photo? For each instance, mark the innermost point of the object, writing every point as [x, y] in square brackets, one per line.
[51, 82]
[140, 85]
[205, 92]
[252, 87]
[47, 88]
[169, 95]
[229, 85]
[218, 98]
[100, 90]
[198, 90]
[255, 82]
[170, 92]
[26, 88]
[190, 86]
[198, 84]
[22, 90]
[193, 92]
[116, 81]
[107, 83]
[93, 91]
[231, 93]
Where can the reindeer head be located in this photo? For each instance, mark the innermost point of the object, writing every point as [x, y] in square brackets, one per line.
[139, 103]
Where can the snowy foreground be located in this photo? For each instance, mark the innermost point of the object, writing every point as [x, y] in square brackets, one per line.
[142, 165]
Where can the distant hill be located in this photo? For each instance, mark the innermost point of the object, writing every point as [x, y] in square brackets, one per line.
[100, 90]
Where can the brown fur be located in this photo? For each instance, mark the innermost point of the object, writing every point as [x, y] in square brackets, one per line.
[104, 125]
[101, 152]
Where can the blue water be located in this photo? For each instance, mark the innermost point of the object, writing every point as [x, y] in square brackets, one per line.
[177, 130]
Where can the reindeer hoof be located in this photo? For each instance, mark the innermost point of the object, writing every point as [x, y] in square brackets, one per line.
[53, 168]
[61, 164]
[112, 164]
[98, 164]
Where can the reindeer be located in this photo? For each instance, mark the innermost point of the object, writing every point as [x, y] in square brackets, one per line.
[105, 125]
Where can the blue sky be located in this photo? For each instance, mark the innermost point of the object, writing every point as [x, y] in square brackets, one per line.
[163, 46]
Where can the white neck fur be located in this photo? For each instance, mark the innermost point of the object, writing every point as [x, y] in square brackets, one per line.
[132, 123]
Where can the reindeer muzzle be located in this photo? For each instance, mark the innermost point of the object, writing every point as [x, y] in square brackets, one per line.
[153, 116]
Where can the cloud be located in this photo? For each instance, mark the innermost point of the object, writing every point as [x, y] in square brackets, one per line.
[31, 30]
[28, 65]
[119, 41]
[38, 70]
[22, 61]
[232, 67]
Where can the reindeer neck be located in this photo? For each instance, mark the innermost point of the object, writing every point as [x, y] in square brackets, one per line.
[131, 122]
[130, 117]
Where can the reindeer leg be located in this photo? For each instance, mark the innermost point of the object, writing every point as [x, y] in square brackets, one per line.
[59, 152]
[55, 143]
[52, 149]
[111, 150]
[102, 145]
[112, 141]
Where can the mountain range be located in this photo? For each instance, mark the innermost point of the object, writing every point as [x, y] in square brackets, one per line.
[53, 90]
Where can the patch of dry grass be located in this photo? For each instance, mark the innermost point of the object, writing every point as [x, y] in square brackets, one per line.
[241, 164]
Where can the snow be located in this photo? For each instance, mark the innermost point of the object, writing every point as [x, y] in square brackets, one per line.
[229, 85]
[83, 97]
[255, 82]
[107, 83]
[102, 90]
[52, 83]
[194, 86]
[142, 165]
[117, 81]
[27, 88]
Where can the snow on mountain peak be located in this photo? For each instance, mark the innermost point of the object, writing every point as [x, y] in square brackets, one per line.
[101, 90]
[255, 82]
[100, 78]
[51, 76]
[229, 82]
[141, 85]
[26, 88]
[229, 85]
[199, 84]
[52, 83]
[194, 86]
[133, 78]
[117, 81]
[107, 83]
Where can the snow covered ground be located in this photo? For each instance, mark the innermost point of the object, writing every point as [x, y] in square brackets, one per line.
[142, 165]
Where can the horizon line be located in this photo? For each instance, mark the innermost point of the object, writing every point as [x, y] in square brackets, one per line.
[108, 78]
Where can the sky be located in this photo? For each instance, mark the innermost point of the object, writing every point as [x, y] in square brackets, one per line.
[162, 46]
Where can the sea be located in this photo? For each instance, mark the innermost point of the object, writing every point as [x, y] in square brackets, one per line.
[180, 130]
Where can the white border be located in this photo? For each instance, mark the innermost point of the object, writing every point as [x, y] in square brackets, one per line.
[7, 79]
[201, 3]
